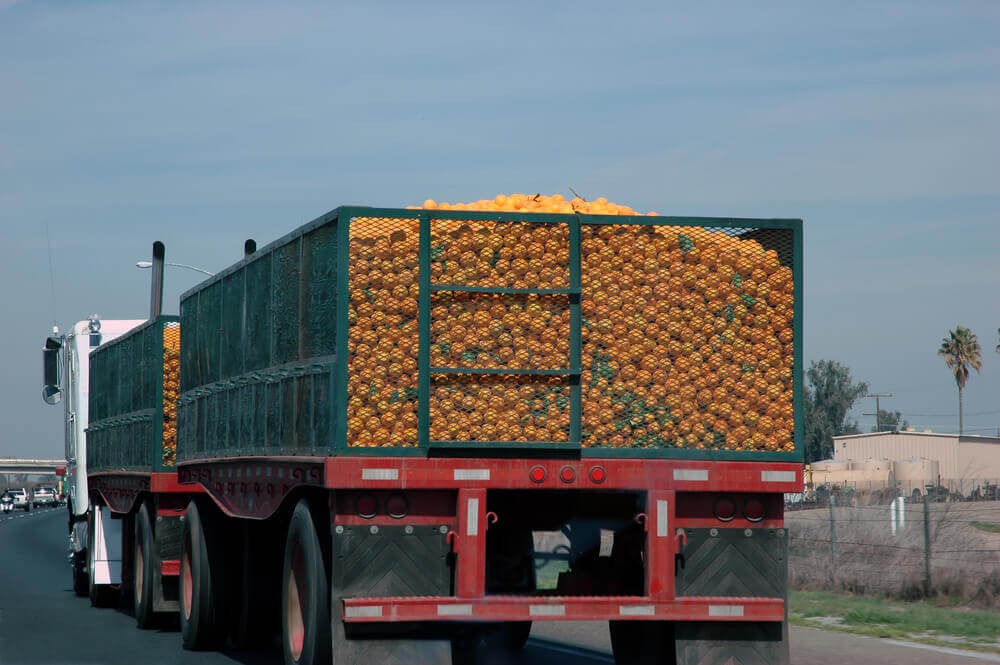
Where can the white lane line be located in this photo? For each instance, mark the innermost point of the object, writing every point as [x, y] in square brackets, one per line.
[951, 652]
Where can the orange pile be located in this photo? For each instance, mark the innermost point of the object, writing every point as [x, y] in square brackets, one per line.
[687, 334]
[171, 389]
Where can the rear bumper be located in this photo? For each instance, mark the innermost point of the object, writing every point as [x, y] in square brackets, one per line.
[589, 608]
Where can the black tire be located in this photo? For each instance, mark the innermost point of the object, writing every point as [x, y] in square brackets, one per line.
[101, 595]
[305, 597]
[642, 642]
[201, 594]
[144, 569]
[81, 585]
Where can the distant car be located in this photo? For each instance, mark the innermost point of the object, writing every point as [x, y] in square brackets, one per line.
[21, 499]
[44, 496]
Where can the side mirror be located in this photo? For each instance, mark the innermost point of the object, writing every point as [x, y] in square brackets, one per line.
[51, 393]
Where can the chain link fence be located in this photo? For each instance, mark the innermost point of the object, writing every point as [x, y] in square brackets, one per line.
[911, 546]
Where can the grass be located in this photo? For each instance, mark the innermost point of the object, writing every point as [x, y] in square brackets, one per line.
[989, 527]
[880, 617]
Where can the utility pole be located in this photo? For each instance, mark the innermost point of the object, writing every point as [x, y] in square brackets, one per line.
[878, 408]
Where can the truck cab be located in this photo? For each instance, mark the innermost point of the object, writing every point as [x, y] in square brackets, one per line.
[66, 368]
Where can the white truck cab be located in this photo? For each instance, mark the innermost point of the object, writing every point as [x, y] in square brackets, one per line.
[66, 369]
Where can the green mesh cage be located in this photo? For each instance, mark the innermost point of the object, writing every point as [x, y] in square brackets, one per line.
[387, 331]
[134, 385]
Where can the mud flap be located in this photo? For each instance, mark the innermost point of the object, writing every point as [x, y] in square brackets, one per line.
[374, 561]
[735, 643]
[733, 563]
[168, 534]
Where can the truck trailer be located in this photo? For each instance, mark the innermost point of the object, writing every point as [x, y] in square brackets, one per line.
[404, 435]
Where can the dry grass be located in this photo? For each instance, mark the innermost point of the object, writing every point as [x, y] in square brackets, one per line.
[964, 562]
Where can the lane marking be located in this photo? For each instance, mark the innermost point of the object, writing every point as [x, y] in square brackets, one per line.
[946, 650]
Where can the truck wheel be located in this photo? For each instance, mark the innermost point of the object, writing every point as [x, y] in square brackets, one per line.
[101, 595]
[305, 598]
[81, 585]
[144, 569]
[642, 642]
[200, 592]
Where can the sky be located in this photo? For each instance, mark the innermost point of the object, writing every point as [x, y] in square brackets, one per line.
[203, 124]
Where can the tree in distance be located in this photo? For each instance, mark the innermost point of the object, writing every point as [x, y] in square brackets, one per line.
[829, 396]
[961, 351]
[890, 421]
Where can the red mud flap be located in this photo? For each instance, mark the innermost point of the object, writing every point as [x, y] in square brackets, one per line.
[569, 608]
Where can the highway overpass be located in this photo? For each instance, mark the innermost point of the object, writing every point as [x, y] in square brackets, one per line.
[18, 471]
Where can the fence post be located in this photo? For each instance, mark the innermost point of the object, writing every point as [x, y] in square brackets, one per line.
[833, 534]
[927, 550]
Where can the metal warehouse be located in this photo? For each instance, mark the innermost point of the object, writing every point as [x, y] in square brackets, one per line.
[964, 461]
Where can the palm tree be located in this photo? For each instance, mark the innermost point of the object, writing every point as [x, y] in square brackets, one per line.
[961, 351]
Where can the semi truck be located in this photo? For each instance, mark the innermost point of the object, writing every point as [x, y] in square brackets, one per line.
[404, 435]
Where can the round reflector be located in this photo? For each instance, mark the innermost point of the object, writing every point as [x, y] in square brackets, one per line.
[397, 506]
[725, 509]
[753, 510]
[537, 474]
[598, 474]
[567, 474]
[366, 506]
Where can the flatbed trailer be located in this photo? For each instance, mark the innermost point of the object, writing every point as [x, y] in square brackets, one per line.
[356, 433]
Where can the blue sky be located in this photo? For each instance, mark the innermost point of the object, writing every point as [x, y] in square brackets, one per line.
[204, 124]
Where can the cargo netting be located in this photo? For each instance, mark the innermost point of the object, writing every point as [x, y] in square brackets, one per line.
[171, 389]
[684, 336]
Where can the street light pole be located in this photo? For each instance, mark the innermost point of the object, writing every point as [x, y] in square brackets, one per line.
[147, 264]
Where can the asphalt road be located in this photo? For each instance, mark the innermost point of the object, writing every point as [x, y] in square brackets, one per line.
[43, 623]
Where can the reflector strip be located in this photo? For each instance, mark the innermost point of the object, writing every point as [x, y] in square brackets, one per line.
[547, 610]
[690, 474]
[363, 612]
[472, 519]
[725, 610]
[454, 610]
[379, 474]
[637, 610]
[661, 518]
[472, 474]
[777, 476]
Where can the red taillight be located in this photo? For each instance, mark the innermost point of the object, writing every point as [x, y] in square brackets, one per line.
[537, 474]
[397, 506]
[725, 509]
[753, 510]
[567, 474]
[598, 474]
[366, 506]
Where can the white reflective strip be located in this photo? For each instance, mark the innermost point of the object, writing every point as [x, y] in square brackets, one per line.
[637, 610]
[454, 610]
[690, 474]
[363, 612]
[661, 518]
[472, 474]
[472, 519]
[777, 476]
[379, 474]
[725, 610]
[547, 610]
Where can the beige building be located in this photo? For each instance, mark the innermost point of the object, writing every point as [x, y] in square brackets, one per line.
[963, 462]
